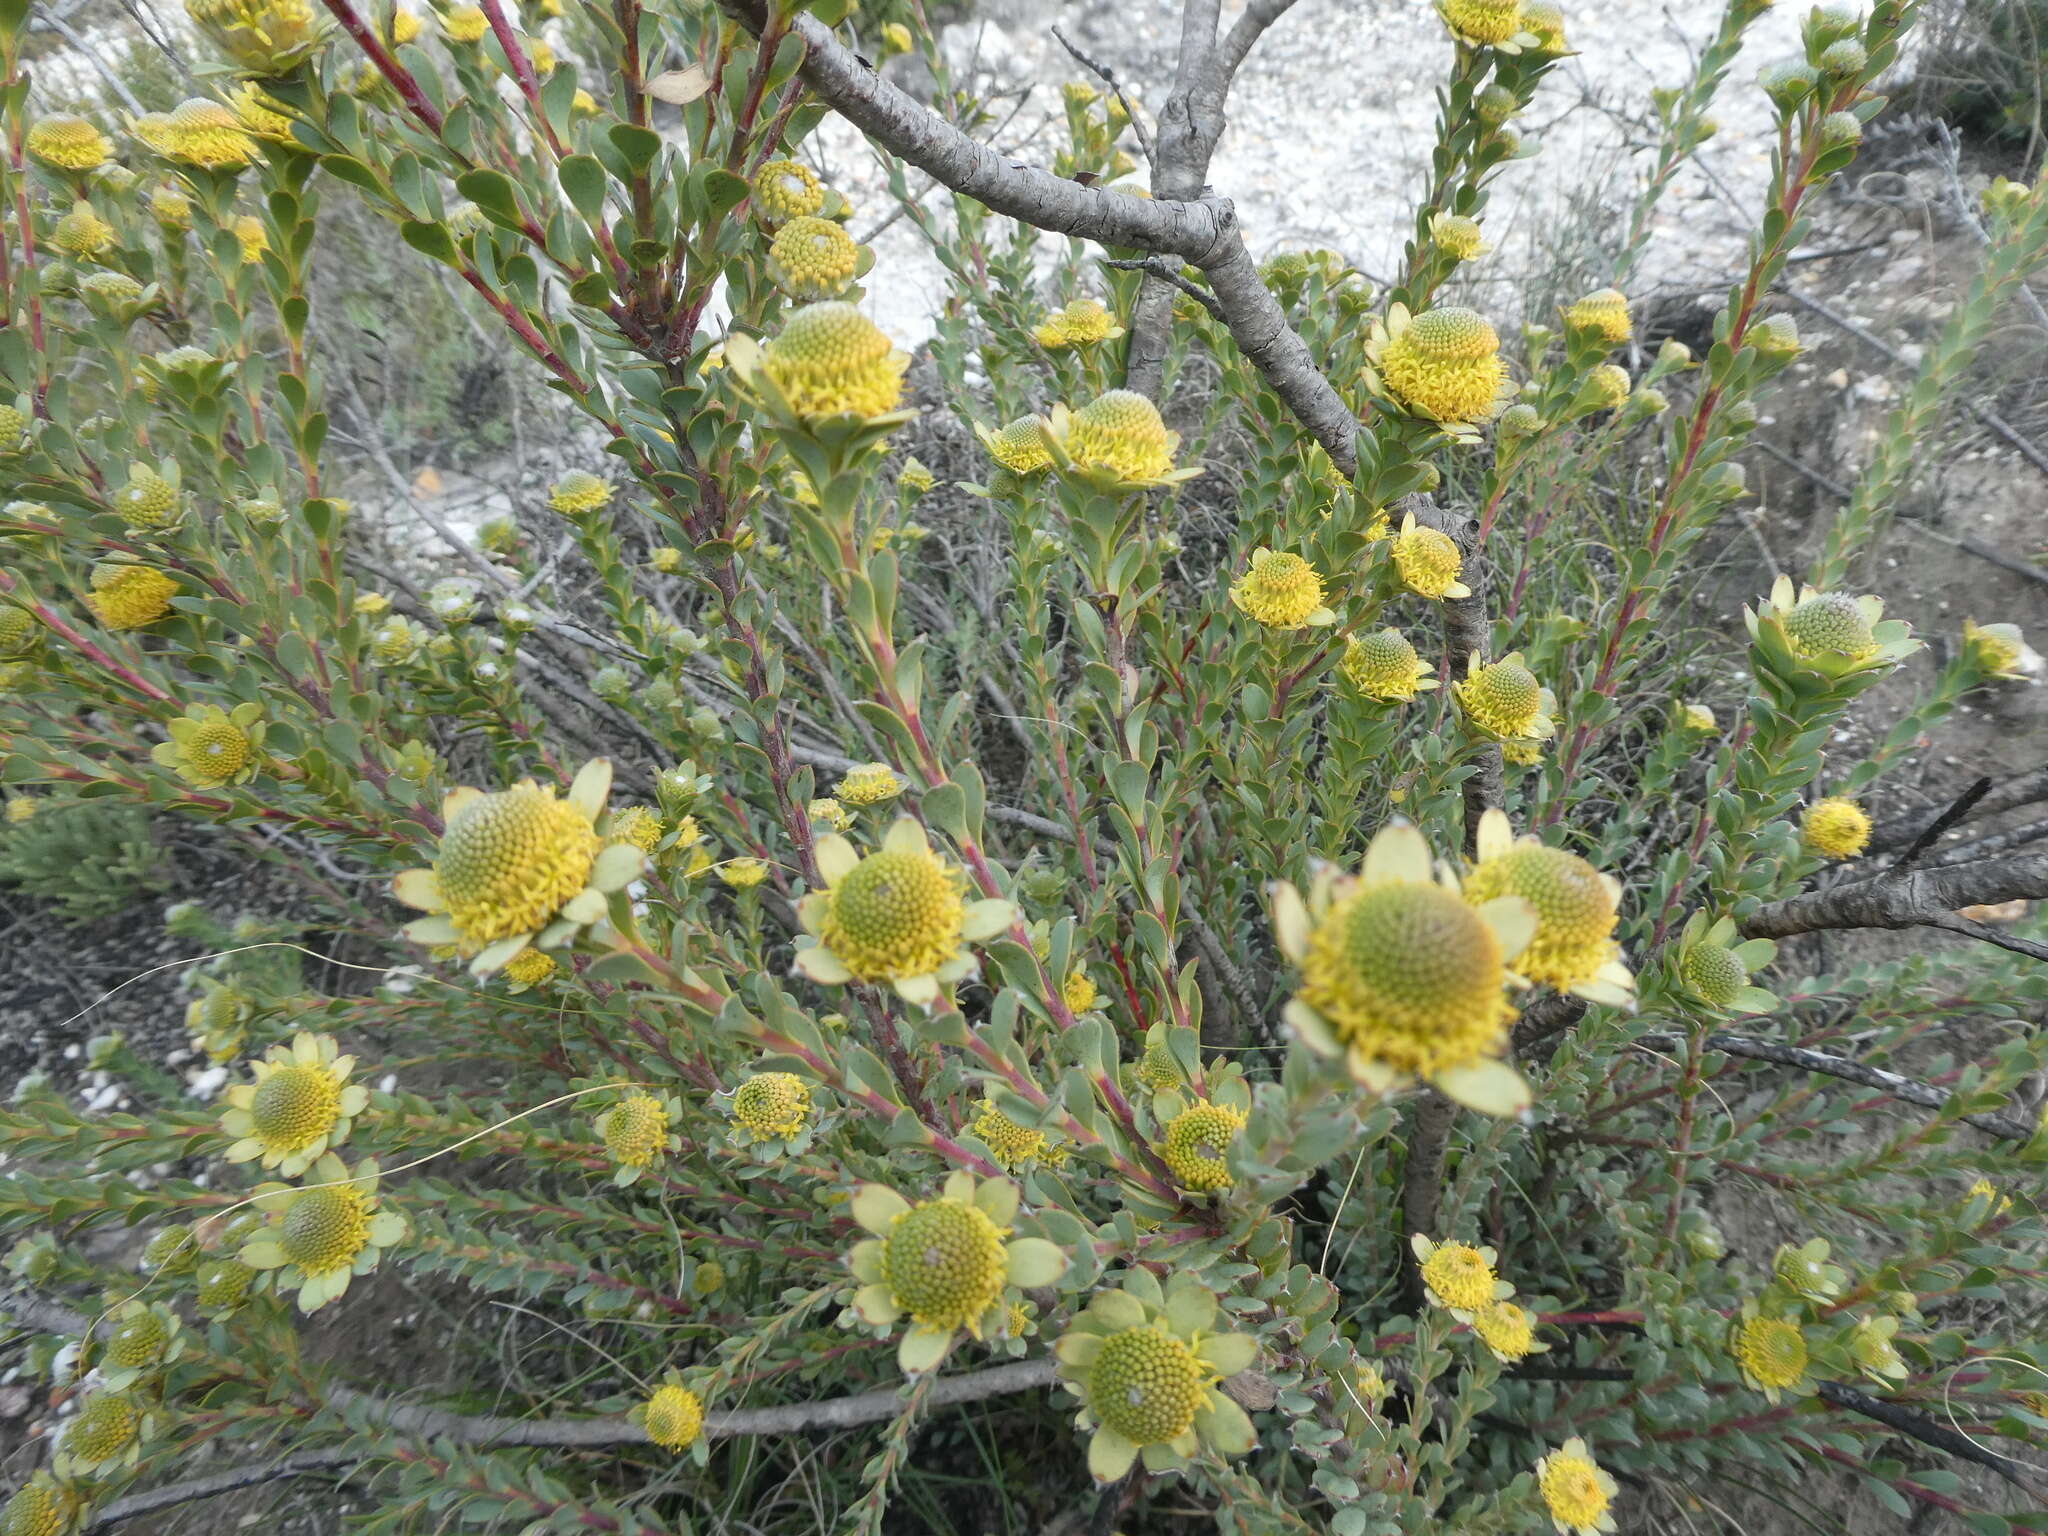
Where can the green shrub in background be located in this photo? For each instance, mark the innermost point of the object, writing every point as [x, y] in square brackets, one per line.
[89, 859]
[1244, 951]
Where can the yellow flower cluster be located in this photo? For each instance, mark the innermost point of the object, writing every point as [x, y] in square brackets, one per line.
[67, 143]
[1835, 828]
[812, 258]
[1281, 591]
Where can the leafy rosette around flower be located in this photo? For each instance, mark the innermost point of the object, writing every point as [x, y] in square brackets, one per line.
[299, 1104]
[1428, 561]
[1875, 1355]
[518, 867]
[1805, 1272]
[1770, 1351]
[770, 1115]
[900, 915]
[1443, 365]
[1013, 1145]
[1402, 978]
[1504, 700]
[1018, 447]
[319, 1237]
[2001, 650]
[1508, 1332]
[1715, 965]
[211, 747]
[142, 1338]
[1577, 1494]
[1808, 642]
[1384, 667]
[637, 1132]
[948, 1264]
[1082, 323]
[1459, 1277]
[42, 1506]
[1148, 1366]
[1117, 442]
[105, 1436]
[1196, 1136]
[1281, 591]
[1577, 909]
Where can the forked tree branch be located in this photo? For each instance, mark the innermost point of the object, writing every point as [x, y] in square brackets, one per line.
[1914, 898]
[1204, 231]
[1902, 831]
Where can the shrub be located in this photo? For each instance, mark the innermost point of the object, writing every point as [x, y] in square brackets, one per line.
[1254, 929]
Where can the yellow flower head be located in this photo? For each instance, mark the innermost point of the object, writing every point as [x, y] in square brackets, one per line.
[1281, 591]
[1606, 388]
[868, 784]
[1458, 236]
[1083, 323]
[1404, 978]
[529, 968]
[1835, 828]
[635, 1131]
[1197, 1144]
[1505, 700]
[785, 190]
[1078, 991]
[949, 1263]
[205, 133]
[1482, 23]
[126, 596]
[1384, 666]
[1697, 719]
[1771, 1352]
[265, 37]
[260, 114]
[67, 143]
[1577, 1493]
[1508, 1331]
[405, 26]
[170, 207]
[42, 1506]
[1459, 1277]
[1147, 1364]
[812, 258]
[1576, 912]
[322, 1234]
[2001, 650]
[210, 746]
[1020, 446]
[299, 1104]
[1544, 22]
[579, 492]
[1986, 1194]
[829, 814]
[772, 1105]
[107, 1433]
[1444, 364]
[464, 24]
[148, 501]
[516, 864]
[1603, 315]
[743, 874]
[1428, 561]
[82, 234]
[831, 360]
[898, 915]
[673, 1416]
[1010, 1144]
[20, 631]
[1120, 437]
[109, 291]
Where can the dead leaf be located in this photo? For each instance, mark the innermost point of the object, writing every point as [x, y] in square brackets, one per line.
[679, 87]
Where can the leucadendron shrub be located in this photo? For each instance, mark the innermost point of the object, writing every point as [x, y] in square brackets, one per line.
[1229, 956]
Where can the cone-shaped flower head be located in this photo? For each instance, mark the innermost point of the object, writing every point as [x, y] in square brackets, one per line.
[1831, 624]
[1835, 828]
[1196, 1146]
[205, 133]
[145, 1337]
[1281, 591]
[1402, 977]
[265, 37]
[1603, 315]
[949, 1263]
[2002, 651]
[1443, 364]
[1384, 666]
[1508, 1331]
[1020, 446]
[1428, 561]
[1082, 323]
[1505, 700]
[831, 360]
[518, 865]
[1458, 236]
[1715, 965]
[1605, 388]
[1119, 441]
[299, 1104]
[772, 1105]
[635, 1131]
[868, 784]
[1545, 22]
[899, 915]
[20, 631]
[318, 1237]
[784, 190]
[1579, 1496]
[1459, 1277]
[262, 115]
[1147, 1365]
[1805, 1271]
[1482, 23]
[82, 234]
[579, 492]
[1010, 1144]
[1807, 640]
[1576, 912]
[148, 501]
[673, 1416]
[219, 1286]
[1876, 1356]
[639, 825]
[1771, 1352]
[812, 258]
[464, 24]
[211, 747]
[42, 1506]
[105, 1434]
[67, 143]
[127, 596]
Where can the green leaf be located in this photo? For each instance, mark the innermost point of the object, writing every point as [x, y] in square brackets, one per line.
[586, 183]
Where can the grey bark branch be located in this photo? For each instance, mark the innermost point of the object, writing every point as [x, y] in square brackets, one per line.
[1204, 232]
[1915, 898]
[1827, 1064]
[2025, 789]
[1919, 1427]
